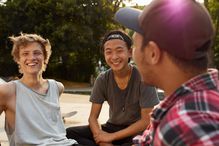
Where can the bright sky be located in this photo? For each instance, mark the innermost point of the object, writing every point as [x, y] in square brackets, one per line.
[139, 2]
[142, 2]
[146, 2]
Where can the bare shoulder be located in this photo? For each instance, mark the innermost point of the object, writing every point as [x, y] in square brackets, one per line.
[60, 86]
[7, 92]
[7, 89]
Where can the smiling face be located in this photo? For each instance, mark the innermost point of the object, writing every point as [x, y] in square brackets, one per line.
[117, 54]
[31, 58]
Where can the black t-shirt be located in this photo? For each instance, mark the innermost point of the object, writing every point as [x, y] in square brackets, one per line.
[124, 105]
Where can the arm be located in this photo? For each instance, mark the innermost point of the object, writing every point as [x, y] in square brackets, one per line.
[61, 87]
[93, 118]
[2, 108]
[133, 129]
[2, 99]
[136, 127]
[95, 126]
[7, 90]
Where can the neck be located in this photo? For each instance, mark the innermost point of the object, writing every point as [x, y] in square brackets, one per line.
[32, 80]
[169, 76]
[123, 73]
[36, 83]
[174, 79]
[122, 78]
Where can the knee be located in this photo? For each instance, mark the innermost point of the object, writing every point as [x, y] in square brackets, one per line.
[70, 132]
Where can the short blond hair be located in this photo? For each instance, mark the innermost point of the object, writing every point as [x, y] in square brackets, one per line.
[25, 39]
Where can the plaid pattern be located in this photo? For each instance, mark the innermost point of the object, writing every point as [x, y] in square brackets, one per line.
[188, 117]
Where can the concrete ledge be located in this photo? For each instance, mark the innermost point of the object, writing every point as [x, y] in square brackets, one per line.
[84, 91]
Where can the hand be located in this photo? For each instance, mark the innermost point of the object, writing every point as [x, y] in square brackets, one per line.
[103, 137]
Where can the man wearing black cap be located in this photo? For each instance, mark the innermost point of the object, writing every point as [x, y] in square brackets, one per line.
[172, 39]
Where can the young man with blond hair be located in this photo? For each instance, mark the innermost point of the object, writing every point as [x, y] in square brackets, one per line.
[31, 103]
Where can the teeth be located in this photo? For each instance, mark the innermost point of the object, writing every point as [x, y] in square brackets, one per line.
[115, 63]
[31, 64]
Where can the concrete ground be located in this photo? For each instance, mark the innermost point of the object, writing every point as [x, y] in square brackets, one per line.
[68, 103]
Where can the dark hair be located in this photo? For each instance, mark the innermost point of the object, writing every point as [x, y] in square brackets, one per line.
[192, 66]
[116, 34]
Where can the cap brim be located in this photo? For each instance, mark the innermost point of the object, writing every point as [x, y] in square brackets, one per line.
[129, 18]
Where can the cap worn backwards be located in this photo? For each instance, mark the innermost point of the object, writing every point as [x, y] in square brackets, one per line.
[180, 27]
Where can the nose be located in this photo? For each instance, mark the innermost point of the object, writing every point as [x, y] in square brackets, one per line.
[114, 56]
[32, 56]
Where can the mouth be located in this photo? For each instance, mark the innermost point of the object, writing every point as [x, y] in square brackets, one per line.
[32, 64]
[116, 63]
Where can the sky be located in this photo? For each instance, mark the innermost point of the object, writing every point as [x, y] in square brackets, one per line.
[142, 2]
[146, 2]
[139, 2]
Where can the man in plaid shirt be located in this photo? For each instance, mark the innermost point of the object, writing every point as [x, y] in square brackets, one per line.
[172, 39]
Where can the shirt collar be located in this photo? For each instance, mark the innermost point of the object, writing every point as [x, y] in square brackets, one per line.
[204, 81]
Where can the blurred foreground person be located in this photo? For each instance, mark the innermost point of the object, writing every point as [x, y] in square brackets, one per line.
[31, 104]
[172, 39]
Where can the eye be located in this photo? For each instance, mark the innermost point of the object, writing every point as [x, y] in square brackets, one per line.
[107, 52]
[120, 50]
[24, 54]
[38, 53]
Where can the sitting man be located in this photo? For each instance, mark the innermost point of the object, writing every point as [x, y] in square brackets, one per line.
[130, 101]
[31, 104]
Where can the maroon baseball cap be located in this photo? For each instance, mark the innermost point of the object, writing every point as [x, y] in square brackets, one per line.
[183, 28]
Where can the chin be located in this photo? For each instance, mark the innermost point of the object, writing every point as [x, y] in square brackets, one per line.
[34, 72]
[116, 68]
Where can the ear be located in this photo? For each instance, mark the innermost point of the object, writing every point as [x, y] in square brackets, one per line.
[153, 53]
[17, 61]
[130, 52]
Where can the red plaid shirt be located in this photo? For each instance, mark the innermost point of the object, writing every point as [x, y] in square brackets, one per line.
[188, 117]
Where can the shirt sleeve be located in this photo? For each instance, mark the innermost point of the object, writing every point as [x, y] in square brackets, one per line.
[98, 91]
[149, 96]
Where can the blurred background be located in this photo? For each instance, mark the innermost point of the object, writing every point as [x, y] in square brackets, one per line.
[74, 28]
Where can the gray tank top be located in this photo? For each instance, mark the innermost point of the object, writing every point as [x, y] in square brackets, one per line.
[38, 118]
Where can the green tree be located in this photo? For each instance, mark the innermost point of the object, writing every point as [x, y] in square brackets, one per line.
[74, 28]
[213, 8]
